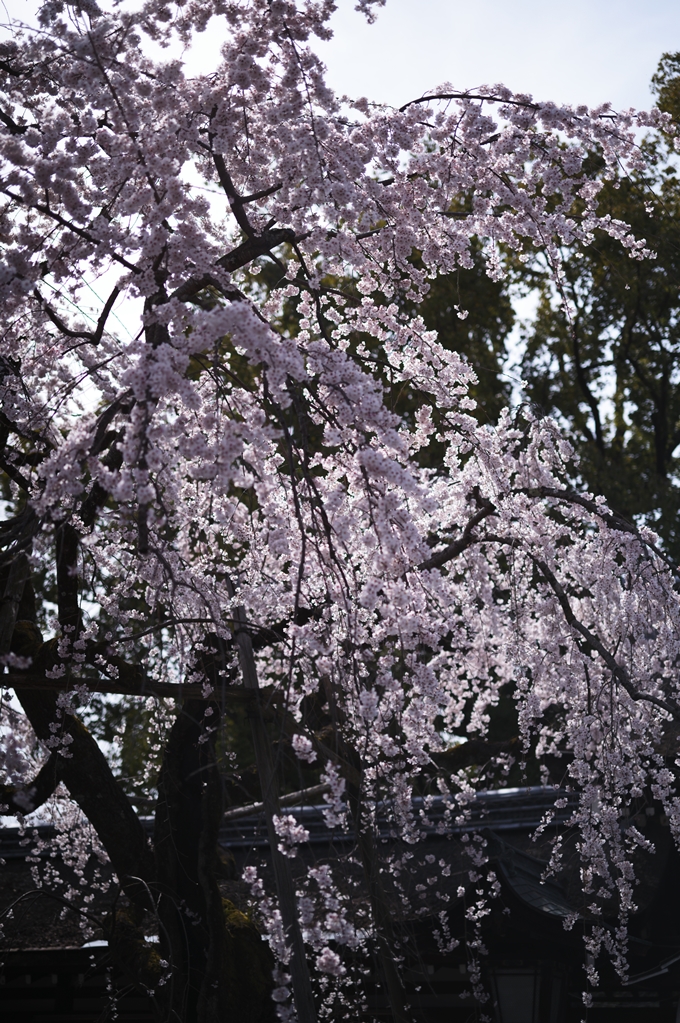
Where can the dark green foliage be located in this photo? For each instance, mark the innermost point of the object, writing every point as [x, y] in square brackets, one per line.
[666, 85]
[611, 371]
[480, 336]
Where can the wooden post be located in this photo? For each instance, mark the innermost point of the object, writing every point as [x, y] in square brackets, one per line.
[11, 598]
[285, 887]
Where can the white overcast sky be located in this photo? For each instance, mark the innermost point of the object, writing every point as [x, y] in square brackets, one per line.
[576, 51]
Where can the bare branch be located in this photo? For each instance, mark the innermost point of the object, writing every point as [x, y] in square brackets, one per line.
[21, 682]
[262, 194]
[79, 231]
[254, 247]
[93, 786]
[11, 125]
[91, 336]
[612, 519]
[235, 200]
[465, 541]
[469, 95]
[14, 474]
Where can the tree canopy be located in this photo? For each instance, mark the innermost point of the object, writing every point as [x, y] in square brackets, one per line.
[229, 501]
[608, 364]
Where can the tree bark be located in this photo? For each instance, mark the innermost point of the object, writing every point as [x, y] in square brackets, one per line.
[93, 786]
[81, 764]
[23, 799]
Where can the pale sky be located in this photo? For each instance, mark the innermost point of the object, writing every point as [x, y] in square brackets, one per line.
[578, 51]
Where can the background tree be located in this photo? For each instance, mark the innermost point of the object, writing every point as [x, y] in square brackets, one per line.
[603, 351]
[209, 506]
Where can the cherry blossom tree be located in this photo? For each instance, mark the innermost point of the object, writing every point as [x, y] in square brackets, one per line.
[216, 506]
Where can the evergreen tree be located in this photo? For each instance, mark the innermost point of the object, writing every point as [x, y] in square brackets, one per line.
[603, 352]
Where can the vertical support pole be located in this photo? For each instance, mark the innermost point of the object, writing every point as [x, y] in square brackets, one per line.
[17, 576]
[285, 887]
[381, 915]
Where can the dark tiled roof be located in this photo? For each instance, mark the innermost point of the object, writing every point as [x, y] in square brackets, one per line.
[521, 809]
[525, 875]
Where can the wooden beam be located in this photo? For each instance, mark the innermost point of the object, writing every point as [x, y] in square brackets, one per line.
[249, 809]
[290, 799]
